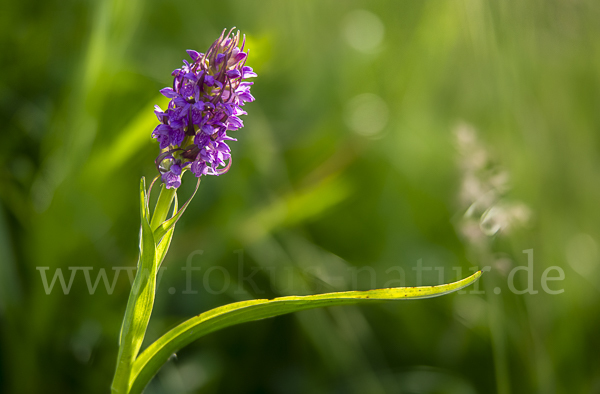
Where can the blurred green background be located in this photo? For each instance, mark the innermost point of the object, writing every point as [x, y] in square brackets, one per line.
[376, 125]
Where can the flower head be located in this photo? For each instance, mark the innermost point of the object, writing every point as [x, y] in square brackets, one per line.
[206, 101]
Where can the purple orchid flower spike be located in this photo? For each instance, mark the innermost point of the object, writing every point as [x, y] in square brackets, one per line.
[205, 103]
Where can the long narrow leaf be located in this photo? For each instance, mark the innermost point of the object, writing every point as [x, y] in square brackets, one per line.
[150, 361]
[139, 304]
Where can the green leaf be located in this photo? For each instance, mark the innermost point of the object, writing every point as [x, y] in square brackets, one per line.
[167, 225]
[140, 302]
[151, 360]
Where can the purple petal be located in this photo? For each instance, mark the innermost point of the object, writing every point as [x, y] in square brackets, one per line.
[200, 140]
[199, 168]
[160, 114]
[194, 55]
[208, 129]
[172, 181]
[246, 96]
[175, 169]
[233, 74]
[169, 93]
[240, 56]
[223, 147]
[248, 72]
[209, 80]
[234, 123]
[180, 102]
[177, 137]
[191, 76]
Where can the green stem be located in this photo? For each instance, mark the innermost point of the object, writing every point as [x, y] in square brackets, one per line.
[162, 207]
[126, 357]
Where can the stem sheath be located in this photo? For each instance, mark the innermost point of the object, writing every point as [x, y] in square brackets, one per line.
[163, 204]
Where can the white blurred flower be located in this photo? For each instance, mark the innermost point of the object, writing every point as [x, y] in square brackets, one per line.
[483, 190]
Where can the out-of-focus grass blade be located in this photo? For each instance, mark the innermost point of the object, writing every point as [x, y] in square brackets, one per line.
[295, 208]
[130, 141]
[140, 303]
[150, 361]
